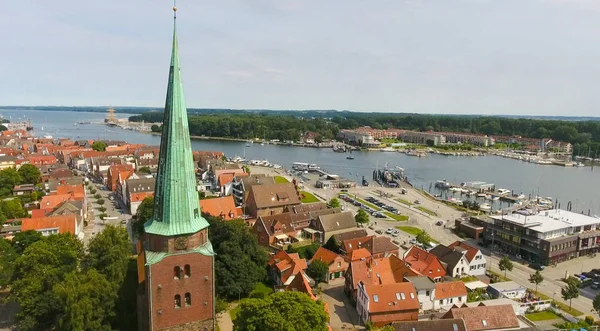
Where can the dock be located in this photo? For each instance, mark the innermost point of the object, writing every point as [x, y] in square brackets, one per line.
[479, 187]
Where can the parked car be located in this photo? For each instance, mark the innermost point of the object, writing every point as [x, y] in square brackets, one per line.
[379, 231]
[536, 266]
[439, 223]
[389, 231]
[596, 285]
[417, 202]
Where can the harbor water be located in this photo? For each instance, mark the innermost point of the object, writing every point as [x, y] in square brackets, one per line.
[579, 185]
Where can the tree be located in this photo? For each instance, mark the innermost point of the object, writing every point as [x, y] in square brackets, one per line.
[30, 174]
[361, 216]
[9, 177]
[240, 261]
[108, 252]
[318, 269]
[596, 303]
[246, 169]
[571, 291]
[100, 201]
[536, 278]
[43, 265]
[155, 128]
[8, 256]
[282, 311]
[505, 264]
[12, 208]
[102, 209]
[99, 146]
[24, 239]
[88, 300]
[334, 203]
[424, 238]
[143, 214]
[145, 170]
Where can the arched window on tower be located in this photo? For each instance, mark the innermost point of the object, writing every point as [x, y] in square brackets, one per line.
[188, 299]
[187, 270]
[177, 272]
[202, 238]
[177, 301]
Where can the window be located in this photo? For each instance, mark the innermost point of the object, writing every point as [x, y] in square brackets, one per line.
[459, 299]
[187, 270]
[397, 296]
[188, 299]
[177, 272]
[441, 302]
[339, 264]
[402, 295]
[455, 326]
[412, 295]
[375, 298]
[451, 299]
[177, 301]
[427, 293]
[484, 322]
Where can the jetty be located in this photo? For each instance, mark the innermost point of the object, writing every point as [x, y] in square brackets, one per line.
[476, 187]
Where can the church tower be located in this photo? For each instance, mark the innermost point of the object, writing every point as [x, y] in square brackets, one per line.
[175, 260]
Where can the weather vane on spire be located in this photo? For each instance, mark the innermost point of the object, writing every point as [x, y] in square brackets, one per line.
[174, 8]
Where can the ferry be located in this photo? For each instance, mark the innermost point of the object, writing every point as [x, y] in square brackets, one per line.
[502, 191]
[300, 166]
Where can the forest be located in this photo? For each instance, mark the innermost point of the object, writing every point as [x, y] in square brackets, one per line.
[584, 134]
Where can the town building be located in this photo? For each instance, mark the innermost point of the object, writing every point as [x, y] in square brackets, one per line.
[53, 225]
[425, 289]
[270, 199]
[480, 318]
[284, 267]
[382, 304]
[550, 236]
[431, 325]
[509, 290]
[448, 294]
[387, 270]
[337, 264]
[23, 189]
[425, 263]
[222, 207]
[175, 256]
[358, 138]
[7, 162]
[423, 138]
[241, 186]
[454, 261]
[476, 259]
[377, 246]
[332, 224]
[137, 190]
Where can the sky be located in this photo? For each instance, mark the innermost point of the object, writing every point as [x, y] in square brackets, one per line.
[514, 57]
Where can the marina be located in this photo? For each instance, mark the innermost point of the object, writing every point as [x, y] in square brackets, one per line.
[531, 179]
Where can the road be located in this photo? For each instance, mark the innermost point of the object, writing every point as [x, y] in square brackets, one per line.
[113, 211]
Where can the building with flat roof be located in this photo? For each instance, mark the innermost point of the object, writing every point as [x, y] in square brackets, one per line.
[546, 237]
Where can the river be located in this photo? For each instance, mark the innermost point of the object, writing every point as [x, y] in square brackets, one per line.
[578, 185]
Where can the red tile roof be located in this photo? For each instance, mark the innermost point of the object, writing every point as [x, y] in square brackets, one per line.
[450, 290]
[223, 207]
[300, 284]
[360, 253]
[471, 251]
[140, 196]
[324, 255]
[287, 265]
[424, 263]
[54, 200]
[392, 297]
[386, 270]
[225, 179]
[64, 223]
[77, 191]
[40, 212]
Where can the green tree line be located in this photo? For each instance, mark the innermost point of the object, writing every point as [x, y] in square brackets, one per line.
[584, 135]
[250, 126]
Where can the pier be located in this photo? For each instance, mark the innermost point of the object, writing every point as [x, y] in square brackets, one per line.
[477, 187]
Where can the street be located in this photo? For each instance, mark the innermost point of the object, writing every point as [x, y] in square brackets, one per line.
[115, 214]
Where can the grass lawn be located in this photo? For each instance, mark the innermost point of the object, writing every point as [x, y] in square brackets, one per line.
[565, 308]
[542, 316]
[427, 211]
[410, 230]
[234, 312]
[308, 197]
[500, 276]
[406, 202]
[467, 279]
[281, 180]
[396, 217]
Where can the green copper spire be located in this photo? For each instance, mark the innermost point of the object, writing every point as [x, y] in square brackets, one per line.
[176, 204]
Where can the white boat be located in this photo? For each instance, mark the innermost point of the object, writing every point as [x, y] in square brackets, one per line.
[388, 149]
[481, 195]
[503, 191]
[495, 198]
[579, 164]
[313, 166]
[485, 207]
[488, 197]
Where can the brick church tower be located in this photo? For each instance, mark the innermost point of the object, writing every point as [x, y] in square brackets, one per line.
[175, 260]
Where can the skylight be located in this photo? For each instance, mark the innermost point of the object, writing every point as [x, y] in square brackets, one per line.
[484, 322]
[455, 326]
[402, 295]
[412, 295]
[397, 296]
[376, 298]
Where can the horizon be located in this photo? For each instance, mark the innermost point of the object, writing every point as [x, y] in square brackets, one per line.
[460, 57]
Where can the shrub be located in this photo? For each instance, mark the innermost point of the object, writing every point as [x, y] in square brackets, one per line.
[589, 320]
